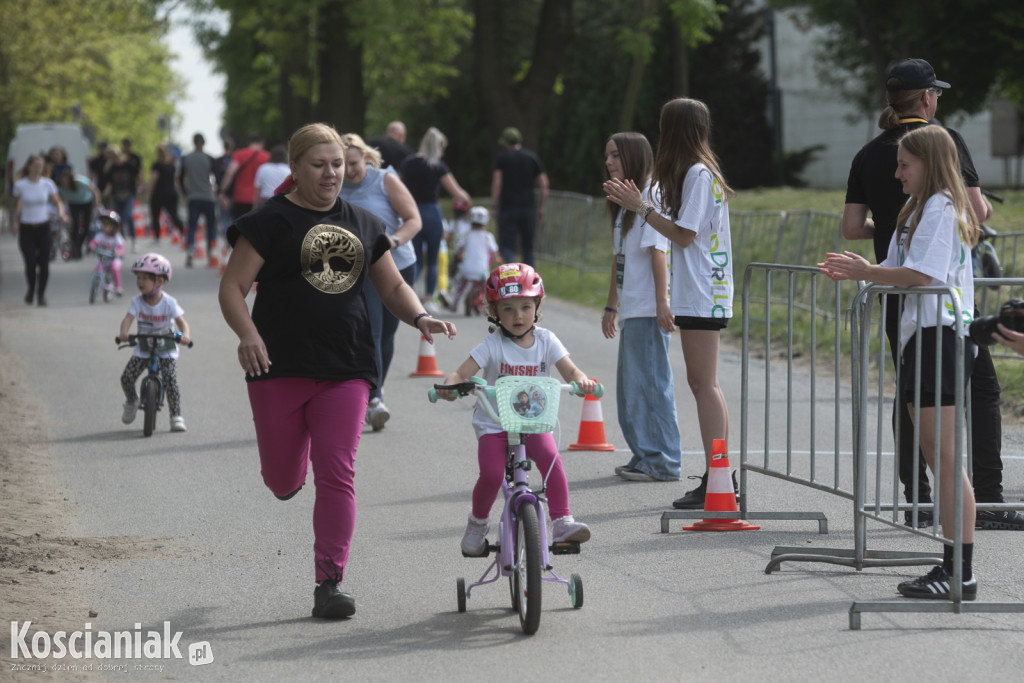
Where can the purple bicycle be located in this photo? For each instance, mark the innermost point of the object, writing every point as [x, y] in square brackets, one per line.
[522, 552]
[102, 275]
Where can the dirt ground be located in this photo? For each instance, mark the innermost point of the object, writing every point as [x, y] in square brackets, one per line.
[43, 568]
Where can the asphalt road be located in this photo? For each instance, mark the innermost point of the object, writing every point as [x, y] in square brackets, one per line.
[235, 565]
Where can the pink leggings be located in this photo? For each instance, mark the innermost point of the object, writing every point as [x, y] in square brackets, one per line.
[299, 421]
[541, 449]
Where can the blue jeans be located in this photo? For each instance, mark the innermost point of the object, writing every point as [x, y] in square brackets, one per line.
[125, 209]
[430, 234]
[208, 209]
[646, 399]
[383, 326]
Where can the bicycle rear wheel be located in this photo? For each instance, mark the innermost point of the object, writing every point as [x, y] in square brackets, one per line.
[150, 398]
[527, 569]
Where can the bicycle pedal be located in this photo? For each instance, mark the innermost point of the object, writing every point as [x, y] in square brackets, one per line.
[565, 548]
[487, 551]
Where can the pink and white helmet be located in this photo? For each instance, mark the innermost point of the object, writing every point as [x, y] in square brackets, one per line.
[105, 214]
[511, 280]
[153, 263]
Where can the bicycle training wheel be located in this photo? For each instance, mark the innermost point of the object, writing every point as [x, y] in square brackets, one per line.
[576, 591]
[150, 397]
[460, 585]
[527, 569]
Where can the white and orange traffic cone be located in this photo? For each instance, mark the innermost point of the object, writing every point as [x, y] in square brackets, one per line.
[137, 219]
[426, 365]
[720, 495]
[591, 436]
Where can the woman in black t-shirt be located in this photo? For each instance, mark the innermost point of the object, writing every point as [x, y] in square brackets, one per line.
[163, 195]
[424, 173]
[307, 349]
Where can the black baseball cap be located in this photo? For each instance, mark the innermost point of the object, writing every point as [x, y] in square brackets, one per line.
[913, 74]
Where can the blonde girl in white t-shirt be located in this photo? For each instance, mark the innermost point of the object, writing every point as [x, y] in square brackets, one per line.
[931, 248]
[637, 308]
[691, 210]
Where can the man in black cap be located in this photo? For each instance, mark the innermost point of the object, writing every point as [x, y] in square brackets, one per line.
[517, 172]
[913, 92]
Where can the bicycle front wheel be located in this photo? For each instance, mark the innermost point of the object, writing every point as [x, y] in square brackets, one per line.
[150, 398]
[94, 286]
[527, 569]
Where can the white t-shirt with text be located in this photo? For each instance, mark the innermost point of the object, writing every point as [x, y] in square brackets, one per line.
[939, 251]
[156, 319]
[702, 282]
[497, 356]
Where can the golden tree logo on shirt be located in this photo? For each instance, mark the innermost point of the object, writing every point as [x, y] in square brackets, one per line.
[332, 258]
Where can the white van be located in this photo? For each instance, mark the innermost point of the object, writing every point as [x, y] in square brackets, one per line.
[34, 138]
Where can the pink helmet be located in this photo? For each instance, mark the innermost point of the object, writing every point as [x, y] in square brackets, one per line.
[110, 216]
[511, 280]
[153, 263]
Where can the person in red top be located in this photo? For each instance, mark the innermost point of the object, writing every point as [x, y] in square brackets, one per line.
[240, 176]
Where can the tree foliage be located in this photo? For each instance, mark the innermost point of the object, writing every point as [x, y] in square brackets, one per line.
[109, 57]
[567, 74]
[975, 45]
[345, 62]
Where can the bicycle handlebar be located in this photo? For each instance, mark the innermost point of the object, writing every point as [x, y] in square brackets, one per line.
[464, 389]
[133, 339]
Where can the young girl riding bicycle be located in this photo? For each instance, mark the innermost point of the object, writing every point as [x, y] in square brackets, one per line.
[158, 313]
[108, 246]
[931, 247]
[514, 295]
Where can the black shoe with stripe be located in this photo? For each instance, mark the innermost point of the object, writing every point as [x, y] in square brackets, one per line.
[935, 586]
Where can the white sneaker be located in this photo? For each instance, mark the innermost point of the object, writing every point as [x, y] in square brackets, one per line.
[568, 529]
[474, 541]
[130, 408]
[178, 423]
[377, 414]
[430, 308]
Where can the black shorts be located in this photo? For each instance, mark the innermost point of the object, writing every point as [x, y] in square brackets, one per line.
[689, 322]
[947, 391]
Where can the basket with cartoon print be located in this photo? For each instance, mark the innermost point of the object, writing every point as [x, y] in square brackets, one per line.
[528, 405]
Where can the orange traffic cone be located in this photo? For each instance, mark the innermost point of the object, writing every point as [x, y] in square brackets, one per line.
[137, 219]
[720, 495]
[426, 366]
[591, 437]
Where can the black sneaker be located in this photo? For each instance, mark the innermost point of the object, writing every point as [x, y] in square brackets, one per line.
[935, 586]
[1006, 520]
[329, 602]
[694, 500]
[925, 518]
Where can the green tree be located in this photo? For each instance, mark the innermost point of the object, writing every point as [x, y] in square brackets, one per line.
[109, 57]
[975, 45]
[340, 61]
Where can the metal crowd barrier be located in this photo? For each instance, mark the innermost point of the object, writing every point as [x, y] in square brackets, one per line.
[795, 293]
[838, 460]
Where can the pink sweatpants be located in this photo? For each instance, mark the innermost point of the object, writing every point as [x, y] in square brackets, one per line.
[541, 449]
[301, 421]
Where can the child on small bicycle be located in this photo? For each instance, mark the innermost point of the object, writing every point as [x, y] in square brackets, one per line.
[157, 313]
[475, 251]
[108, 246]
[514, 295]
